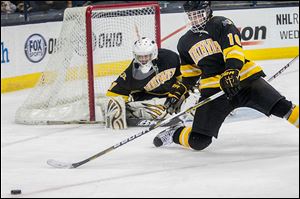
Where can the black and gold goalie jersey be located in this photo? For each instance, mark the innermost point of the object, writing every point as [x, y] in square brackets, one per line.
[156, 83]
[209, 53]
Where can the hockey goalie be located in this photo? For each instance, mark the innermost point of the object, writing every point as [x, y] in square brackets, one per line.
[147, 81]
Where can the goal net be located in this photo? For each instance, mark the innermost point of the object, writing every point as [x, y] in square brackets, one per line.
[93, 48]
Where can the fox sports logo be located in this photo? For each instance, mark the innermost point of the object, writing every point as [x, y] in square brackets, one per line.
[35, 48]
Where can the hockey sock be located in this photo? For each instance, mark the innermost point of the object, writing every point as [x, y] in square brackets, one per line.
[293, 116]
[181, 136]
[189, 139]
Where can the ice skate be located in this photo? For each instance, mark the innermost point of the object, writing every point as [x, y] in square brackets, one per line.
[165, 137]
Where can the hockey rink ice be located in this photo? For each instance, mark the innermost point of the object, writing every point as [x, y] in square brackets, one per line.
[255, 156]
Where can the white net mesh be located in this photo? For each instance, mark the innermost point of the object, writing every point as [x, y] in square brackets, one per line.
[62, 92]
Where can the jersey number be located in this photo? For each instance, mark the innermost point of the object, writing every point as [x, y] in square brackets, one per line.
[234, 39]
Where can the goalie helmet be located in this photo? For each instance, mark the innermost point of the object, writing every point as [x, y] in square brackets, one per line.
[145, 52]
[198, 12]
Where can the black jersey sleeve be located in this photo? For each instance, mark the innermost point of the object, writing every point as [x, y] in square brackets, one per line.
[230, 41]
[120, 87]
[178, 65]
[172, 60]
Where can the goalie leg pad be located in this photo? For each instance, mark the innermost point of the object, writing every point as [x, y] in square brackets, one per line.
[115, 113]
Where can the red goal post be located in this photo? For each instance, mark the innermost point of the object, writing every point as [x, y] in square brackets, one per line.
[89, 31]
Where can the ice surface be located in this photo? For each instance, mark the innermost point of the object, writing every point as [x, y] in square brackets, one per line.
[255, 156]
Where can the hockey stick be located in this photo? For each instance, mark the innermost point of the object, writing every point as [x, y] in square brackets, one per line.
[74, 122]
[167, 121]
[282, 70]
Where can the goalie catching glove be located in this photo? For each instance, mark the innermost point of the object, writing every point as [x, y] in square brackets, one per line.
[230, 82]
[176, 97]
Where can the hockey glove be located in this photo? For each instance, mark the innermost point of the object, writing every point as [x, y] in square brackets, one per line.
[176, 97]
[230, 82]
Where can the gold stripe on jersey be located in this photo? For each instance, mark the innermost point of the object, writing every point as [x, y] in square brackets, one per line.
[234, 52]
[184, 136]
[203, 49]
[190, 71]
[294, 117]
[112, 94]
[247, 71]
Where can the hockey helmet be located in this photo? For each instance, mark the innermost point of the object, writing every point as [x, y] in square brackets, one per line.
[199, 12]
[145, 51]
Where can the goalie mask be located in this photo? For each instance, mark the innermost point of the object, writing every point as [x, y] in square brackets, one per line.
[198, 12]
[145, 51]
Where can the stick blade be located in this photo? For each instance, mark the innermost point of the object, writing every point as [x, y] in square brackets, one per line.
[59, 165]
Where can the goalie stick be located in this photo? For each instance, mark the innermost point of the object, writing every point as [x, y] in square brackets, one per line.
[131, 122]
[168, 121]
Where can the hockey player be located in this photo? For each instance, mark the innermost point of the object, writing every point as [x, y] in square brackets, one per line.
[212, 50]
[149, 77]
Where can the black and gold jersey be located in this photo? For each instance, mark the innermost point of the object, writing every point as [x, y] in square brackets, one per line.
[209, 53]
[157, 82]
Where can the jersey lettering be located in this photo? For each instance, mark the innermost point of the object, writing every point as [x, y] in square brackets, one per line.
[160, 79]
[203, 49]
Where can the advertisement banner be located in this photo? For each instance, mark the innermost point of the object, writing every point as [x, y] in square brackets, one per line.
[269, 33]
